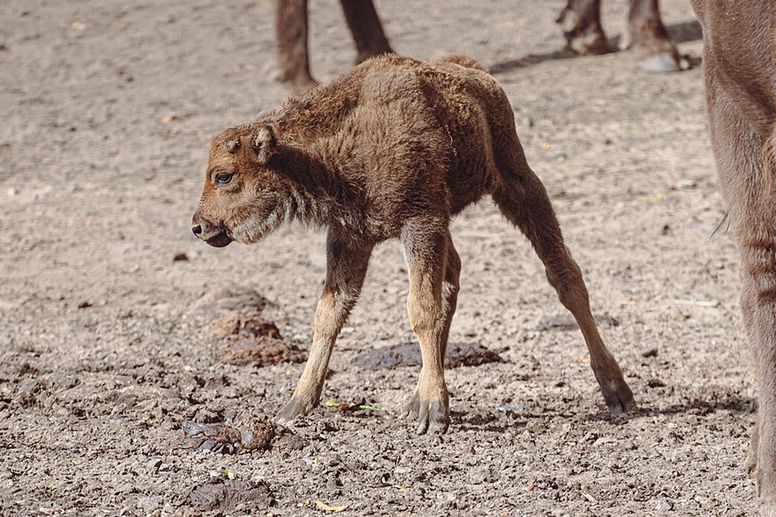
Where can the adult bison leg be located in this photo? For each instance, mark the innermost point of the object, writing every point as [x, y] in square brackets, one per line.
[581, 24]
[756, 235]
[647, 34]
[365, 26]
[744, 151]
[291, 35]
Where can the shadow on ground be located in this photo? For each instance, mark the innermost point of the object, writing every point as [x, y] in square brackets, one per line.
[680, 32]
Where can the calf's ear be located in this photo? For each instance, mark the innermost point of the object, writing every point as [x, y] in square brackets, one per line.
[264, 144]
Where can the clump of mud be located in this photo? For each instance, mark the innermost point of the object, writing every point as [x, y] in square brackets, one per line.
[408, 354]
[257, 434]
[229, 496]
[234, 325]
[241, 335]
[230, 440]
[263, 351]
[252, 340]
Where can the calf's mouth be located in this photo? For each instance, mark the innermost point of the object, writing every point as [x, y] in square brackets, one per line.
[219, 240]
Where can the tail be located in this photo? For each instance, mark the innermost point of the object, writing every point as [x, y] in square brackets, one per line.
[464, 61]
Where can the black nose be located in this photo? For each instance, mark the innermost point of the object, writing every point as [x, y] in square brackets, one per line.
[197, 229]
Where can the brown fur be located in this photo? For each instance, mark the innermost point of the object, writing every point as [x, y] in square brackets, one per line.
[740, 72]
[393, 149]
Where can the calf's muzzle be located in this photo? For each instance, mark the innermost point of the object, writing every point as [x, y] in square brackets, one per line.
[215, 235]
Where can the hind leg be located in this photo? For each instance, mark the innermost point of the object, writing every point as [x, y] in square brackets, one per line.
[291, 35]
[525, 203]
[450, 288]
[366, 29]
[581, 23]
[426, 250]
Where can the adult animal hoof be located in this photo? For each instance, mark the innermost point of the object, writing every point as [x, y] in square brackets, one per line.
[664, 62]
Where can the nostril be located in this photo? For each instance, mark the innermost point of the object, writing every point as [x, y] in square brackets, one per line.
[197, 229]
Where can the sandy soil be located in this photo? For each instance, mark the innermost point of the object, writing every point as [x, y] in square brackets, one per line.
[107, 112]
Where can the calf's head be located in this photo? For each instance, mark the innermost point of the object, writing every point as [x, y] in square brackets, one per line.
[244, 197]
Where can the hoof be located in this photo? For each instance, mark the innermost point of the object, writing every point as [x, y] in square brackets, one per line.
[433, 416]
[298, 82]
[583, 35]
[294, 408]
[590, 44]
[298, 79]
[664, 62]
[618, 397]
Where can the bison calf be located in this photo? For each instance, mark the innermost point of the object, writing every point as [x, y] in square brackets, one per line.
[393, 149]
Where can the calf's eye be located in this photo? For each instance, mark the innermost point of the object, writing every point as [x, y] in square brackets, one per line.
[223, 178]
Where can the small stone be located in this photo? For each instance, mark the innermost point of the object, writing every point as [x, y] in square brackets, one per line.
[655, 383]
[686, 183]
[27, 392]
[168, 117]
[289, 442]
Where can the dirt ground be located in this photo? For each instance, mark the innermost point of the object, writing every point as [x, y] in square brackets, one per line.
[108, 108]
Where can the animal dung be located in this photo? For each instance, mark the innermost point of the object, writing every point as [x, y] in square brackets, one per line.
[252, 340]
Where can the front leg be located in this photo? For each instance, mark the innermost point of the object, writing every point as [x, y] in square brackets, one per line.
[346, 266]
[430, 306]
[758, 301]
[581, 23]
[647, 33]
